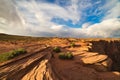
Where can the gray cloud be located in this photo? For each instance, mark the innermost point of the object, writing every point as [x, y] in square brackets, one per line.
[10, 21]
[8, 11]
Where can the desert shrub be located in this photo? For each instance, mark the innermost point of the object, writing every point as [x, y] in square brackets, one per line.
[9, 55]
[67, 55]
[56, 49]
[62, 56]
[19, 51]
[72, 44]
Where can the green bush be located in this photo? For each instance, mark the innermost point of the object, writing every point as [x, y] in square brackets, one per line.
[56, 49]
[9, 55]
[62, 56]
[72, 44]
[19, 51]
[67, 55]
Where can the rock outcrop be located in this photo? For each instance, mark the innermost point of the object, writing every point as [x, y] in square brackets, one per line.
[98, 62]
[93, 60]
[110, 48]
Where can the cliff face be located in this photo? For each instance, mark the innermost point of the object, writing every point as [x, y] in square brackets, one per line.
[110, 48]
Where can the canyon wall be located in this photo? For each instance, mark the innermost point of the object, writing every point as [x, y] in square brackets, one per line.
[110, 48]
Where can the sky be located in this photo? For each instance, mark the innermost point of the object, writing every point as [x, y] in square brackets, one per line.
[61, 18]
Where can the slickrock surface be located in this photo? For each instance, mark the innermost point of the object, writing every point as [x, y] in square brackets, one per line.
[93, 60]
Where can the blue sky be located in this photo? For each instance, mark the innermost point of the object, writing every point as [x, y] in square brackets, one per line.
[61, 18]
[90, 14]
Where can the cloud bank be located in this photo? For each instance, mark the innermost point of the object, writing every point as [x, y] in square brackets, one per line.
[44, 18]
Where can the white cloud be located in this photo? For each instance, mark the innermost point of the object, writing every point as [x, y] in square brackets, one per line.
[107, 28]
[114, 11]
[32, 18]
[46, 10]
[9, 18]
[86, 25]
[57, 28]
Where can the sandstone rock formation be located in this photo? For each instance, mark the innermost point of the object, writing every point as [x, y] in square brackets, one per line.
[110, 48]
[98, 62]
[93, 60]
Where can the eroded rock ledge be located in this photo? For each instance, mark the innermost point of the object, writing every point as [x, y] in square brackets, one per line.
[110, 48]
